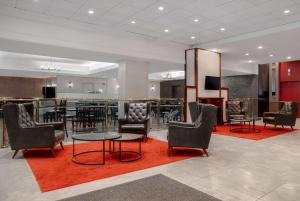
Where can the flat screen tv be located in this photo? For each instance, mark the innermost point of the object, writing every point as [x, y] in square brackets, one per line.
[212, 83]
[49, 92]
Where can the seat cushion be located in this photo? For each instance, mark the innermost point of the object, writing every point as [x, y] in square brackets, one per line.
[133, 126]
[59, 136]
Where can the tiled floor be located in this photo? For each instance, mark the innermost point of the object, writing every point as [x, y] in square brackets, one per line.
[237, 169]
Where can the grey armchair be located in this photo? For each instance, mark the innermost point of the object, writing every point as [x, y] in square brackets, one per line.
[137, 119]
[24, 133]
[196, 134]
[285, 117]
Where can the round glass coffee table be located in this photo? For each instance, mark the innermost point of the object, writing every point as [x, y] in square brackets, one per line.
[129, 137]
[93, 137]
[242, 123]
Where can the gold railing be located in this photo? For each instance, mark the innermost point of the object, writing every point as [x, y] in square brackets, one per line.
[160, 108]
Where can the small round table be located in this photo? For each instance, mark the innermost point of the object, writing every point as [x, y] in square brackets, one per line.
[128, 137]
[241, 122]
[93, 137]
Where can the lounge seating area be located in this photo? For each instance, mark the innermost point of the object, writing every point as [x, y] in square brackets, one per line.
[149, 100]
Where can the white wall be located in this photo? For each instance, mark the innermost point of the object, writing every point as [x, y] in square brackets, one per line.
[77, 91]
[155, 94]
[208, 65]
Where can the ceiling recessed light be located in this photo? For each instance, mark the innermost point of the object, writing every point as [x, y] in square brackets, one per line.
[287, 11]
[196, 20]
[271, 55]
[91, 12]
[161, 8]
[260, 47]
[133, 22]
[250, 61]
[289, 57]
[166, 30]
[222, 29]
[247, 54]
[193, 37]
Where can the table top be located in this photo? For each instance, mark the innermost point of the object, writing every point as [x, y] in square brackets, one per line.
[129, 137]
[96, 136]
[247, 119]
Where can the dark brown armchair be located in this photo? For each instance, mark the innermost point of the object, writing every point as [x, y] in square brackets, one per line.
[24, 133]
[137, 119]
[285, 117]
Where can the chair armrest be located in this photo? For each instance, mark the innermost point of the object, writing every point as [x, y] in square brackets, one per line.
[48, 124]
[181, 124]
[270, 114]
[39, 136]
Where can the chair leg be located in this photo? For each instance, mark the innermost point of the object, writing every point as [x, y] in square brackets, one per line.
[292, 128]
[16, 151]
[205, 151]
[170, 151]
[52, 151]
[265, 125]
[282, 126]
[62, 145]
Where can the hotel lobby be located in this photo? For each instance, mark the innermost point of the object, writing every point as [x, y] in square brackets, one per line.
[144, 100]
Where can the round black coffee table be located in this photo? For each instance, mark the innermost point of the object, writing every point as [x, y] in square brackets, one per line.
[93, 137]
[242, 122]
[129, 137]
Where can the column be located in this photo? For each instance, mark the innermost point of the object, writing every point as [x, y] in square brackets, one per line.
[133, 80]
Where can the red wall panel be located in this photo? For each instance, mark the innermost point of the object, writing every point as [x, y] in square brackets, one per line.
[290, 85]
[295, 71]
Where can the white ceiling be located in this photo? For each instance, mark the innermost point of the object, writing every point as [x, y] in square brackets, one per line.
[247, 23]
[237, 16]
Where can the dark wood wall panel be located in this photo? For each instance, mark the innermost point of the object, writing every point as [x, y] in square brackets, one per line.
[19, 87]
[172, 89]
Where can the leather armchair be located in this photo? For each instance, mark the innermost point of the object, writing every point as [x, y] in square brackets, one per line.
[285, 117]
[234, 109]
[137, 119]
[196, 134]
[24, 133]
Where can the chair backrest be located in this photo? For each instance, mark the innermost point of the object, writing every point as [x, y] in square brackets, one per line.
[195, 110]
[234, 106]
[206, 122]
[13, 113]
[137, 112]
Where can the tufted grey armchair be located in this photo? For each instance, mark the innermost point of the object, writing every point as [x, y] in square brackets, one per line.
[196, 134]
[24, 133]
[137, 119]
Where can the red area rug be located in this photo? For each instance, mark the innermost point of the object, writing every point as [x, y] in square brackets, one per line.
[263, 134]
[60, 172]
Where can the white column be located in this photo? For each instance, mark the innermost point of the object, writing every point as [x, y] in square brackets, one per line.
[133, 80]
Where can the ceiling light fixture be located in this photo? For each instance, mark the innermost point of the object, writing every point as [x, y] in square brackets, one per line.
[91, 12]
[161, 8]
[193, 37]
[250, 61]
[196, 20]
[222, 29]
[247, 54]
[287, 12]
[271, 55]
[288, 58]
[133, 22]
[166, 30]
[260, 47]
[214, 50]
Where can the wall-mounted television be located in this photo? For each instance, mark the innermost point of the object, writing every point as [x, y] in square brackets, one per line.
[212, 83]
[49, 92]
